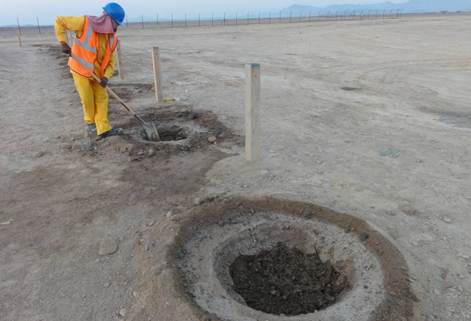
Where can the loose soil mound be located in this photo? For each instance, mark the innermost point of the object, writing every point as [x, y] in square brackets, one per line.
[286, 281]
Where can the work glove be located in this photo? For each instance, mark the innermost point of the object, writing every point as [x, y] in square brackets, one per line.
[104, 82]
[65, 48]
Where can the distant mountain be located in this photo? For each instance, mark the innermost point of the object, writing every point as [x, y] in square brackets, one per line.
[412, 6]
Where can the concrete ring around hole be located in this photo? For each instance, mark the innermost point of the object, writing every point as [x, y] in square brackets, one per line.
[207, 247]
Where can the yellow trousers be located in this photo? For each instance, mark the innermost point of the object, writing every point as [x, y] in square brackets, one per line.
[94, 102]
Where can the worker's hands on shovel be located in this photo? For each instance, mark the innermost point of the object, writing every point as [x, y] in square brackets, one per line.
[66, 48]
[104, 82]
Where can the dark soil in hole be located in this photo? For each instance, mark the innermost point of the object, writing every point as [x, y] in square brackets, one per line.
[172, 133]
[286, 281]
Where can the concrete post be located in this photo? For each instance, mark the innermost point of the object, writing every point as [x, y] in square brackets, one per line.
[157, 77]
[252, 111]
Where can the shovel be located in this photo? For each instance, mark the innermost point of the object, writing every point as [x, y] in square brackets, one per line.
[149, 128]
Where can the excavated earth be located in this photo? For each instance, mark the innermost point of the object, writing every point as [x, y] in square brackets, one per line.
[367, 117]
[269, 259]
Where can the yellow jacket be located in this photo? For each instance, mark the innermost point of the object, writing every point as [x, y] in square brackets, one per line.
[76, 24]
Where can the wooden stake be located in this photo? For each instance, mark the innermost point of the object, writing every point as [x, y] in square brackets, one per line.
[119, 62]
[20, 42]
[157, 78]
[39, 26]
[252, 111]
[19, 26]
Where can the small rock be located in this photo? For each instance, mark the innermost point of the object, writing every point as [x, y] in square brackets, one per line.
[197, 201]
[212, 139]
[40, 154]
[125, 148]
[6, 223]
[463, 256]
[169, 214]
[446, 220]
[108, 247]
[151, 224]
[140, 153]
[107, 285]
[151, 152]
[123, 312]
[390, 152]
[409, 210]
[364, 236]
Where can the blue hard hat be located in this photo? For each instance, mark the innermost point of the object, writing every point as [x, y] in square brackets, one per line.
[115, 11]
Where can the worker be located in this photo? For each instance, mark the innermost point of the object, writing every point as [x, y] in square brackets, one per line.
[93, 52]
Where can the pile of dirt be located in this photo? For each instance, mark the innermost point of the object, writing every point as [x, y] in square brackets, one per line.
[285, 281]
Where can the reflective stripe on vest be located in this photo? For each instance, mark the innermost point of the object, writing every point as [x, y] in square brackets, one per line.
[83, 62]
[110, 48]
[86, 49]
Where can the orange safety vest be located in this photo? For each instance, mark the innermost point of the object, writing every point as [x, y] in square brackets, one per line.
[85, 52]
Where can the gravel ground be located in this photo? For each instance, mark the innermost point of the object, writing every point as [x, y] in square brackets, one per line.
[366, 117]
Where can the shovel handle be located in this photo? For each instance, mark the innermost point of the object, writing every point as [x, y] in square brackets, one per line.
[155, 133]
[115, 95]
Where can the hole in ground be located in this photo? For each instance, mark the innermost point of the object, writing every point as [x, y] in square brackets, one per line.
[168, 133]
[286, 281]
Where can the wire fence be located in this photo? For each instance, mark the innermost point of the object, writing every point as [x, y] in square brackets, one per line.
[198, 20]
[235, 19]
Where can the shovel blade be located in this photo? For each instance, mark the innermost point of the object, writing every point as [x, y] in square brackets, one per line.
[152, 132]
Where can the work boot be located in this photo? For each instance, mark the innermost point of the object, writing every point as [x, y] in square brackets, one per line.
[90, 130]
[112, 132]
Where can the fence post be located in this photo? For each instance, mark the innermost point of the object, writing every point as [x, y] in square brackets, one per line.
[19, 26]
[157, 19]
[171, 20]
[186, 20]
[39, 26]
[212, 19]
[142, 20]
[119, 61]
[20, 42]
[224, 19]
[157, 76]
[252, 106]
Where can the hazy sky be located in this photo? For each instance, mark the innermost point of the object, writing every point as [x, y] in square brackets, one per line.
[27, 10]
